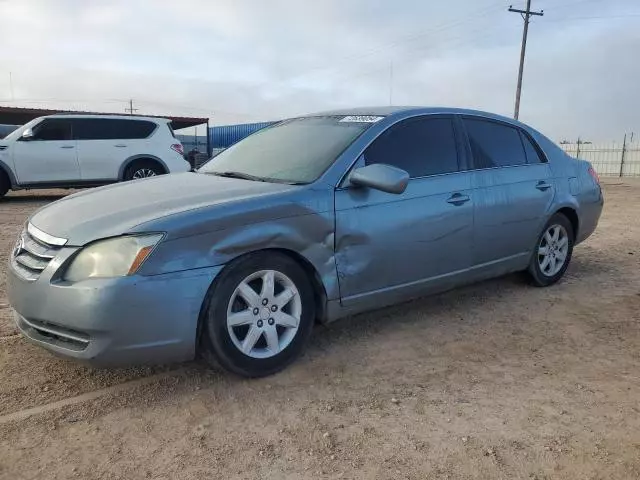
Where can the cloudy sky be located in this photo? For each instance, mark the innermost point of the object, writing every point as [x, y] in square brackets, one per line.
[250, 60]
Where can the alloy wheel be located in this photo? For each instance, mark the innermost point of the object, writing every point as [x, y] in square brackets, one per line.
[553, 250]
[263, 314]
[143, 173]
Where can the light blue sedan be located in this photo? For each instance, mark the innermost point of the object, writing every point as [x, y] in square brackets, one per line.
[310, 220]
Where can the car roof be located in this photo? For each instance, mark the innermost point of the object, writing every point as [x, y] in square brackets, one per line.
[392, 110]
[116, 117]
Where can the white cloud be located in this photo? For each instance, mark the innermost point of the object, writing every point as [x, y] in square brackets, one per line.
[247, 60]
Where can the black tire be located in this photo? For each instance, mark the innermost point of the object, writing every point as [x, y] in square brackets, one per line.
[5, 184]
[143, 165]
[216, 344]
[537, 276]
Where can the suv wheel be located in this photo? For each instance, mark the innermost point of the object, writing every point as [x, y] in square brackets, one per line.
[5, 184]
[143, 169]
[553, 251]
[259, 315]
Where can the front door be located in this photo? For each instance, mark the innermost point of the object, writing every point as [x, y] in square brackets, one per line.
[393, 245]
[47, 157]
[513, 191]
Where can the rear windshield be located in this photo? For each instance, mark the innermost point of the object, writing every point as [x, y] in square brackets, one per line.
[295, 151]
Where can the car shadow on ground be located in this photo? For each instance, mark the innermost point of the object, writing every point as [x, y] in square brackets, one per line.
[426, 312]
[456, 305]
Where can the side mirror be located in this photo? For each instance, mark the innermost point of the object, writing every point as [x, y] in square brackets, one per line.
[380, 177]
[27, 135]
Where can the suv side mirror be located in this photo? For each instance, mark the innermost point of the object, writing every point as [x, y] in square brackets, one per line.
[27, 135]
[380, 177]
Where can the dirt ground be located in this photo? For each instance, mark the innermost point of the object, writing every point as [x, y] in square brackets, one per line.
[498, 380]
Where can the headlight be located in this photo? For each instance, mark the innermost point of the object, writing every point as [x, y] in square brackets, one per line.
[116, 257]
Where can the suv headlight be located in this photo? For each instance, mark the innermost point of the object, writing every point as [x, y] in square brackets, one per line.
[115, 257]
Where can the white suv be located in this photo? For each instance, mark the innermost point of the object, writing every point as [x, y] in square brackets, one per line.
[66, 150]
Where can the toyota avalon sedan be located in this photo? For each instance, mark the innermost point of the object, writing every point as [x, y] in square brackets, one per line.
[310, 220]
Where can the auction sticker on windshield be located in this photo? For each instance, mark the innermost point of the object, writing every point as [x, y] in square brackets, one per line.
[361, 119]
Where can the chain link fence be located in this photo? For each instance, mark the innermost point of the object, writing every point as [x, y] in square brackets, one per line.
[609, 160]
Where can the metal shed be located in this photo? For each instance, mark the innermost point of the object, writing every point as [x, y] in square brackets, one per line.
[226, 135]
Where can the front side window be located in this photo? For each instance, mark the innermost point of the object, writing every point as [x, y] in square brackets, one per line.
[111, 129]
[421, 147]
[294, 151]
[494, 144]
[53, 129]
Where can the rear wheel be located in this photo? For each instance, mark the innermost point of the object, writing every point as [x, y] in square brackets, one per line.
[143, 169]
[553, 251]
[259, 315]
[5, 184]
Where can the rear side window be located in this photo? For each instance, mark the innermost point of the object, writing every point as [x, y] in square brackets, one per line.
[421, 147]
[533, 155]
[53, 129]
[494, 144]
[111, 129]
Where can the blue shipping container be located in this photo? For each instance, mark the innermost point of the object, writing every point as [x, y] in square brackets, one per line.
[226, 135]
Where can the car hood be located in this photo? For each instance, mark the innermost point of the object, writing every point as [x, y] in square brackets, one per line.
[119, 208]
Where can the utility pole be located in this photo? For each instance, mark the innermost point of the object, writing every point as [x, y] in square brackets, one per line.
[525, 16]
[11, 86]
[624, 149]
[390, 83]
[131, 109]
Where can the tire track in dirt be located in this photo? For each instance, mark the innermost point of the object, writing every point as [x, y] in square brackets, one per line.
[88, 396]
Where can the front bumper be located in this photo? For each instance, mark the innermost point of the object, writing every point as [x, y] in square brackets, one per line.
[117, 321]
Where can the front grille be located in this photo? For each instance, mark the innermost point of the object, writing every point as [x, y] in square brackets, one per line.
[31, 255]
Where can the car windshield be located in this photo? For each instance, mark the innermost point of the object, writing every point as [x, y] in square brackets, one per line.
[295, 151]
[17, 133]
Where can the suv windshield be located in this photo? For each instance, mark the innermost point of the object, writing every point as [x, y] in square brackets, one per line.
[294, 151]
[17, 133]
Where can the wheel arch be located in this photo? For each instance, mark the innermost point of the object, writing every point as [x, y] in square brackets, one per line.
[4, 169]
[134, 158]
[319, 290]
[572, 216]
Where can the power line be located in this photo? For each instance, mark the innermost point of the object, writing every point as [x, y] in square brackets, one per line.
[526, 14]
[596, 17]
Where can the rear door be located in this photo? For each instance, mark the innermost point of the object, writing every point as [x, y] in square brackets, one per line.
[48, 156]
[392, 245]
[105, 143]
[513, 192]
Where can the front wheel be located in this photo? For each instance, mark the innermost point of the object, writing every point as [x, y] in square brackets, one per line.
[553, 251]
[259, 316]
[5, 184]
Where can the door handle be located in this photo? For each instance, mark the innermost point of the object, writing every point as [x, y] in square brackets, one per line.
[458, 199]
[66, 146]
[543, 186]
[120, 145]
